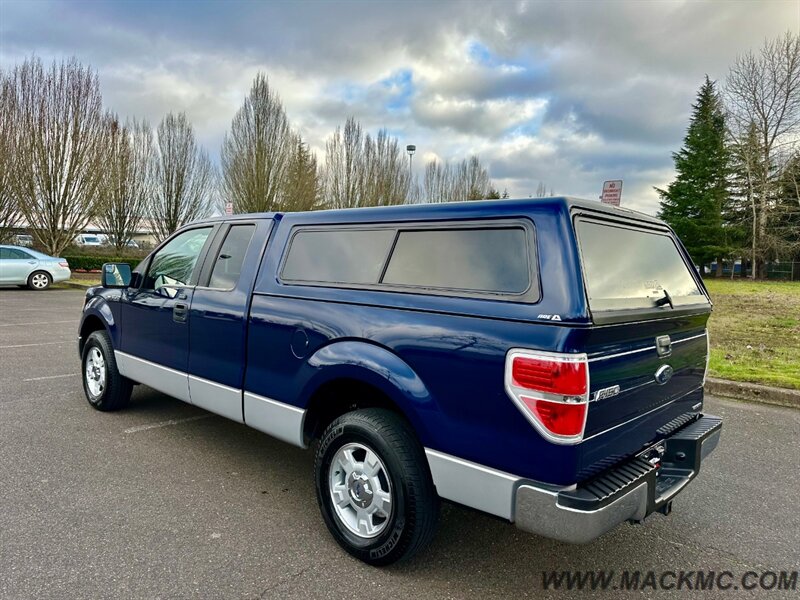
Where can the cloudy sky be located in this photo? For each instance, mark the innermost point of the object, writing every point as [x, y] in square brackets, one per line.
[568, 93]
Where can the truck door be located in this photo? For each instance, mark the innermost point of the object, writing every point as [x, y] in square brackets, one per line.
[155, 342]
[218, 317]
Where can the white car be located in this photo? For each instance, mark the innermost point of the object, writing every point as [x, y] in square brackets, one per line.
[24, 239]
[88, 239]
[26, 267]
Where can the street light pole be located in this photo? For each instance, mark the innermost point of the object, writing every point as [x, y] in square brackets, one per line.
[411, 148]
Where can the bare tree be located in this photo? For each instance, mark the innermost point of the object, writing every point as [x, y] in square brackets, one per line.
[9, 211]
[437, 183]
[58, 148]
[468, 180]
[763, 97]
[364, 171]
[302, 183]
[386, 176]
[255, 154]
[343, 164]
[128, 183]
[785, 225]
[474, 179]
[184, 178]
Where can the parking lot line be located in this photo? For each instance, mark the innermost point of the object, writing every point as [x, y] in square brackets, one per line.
[51, 377]
[37, 323]
[165, 423]
[39, 344]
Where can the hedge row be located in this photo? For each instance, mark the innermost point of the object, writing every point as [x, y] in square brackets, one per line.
[128, 253]
[95, 263]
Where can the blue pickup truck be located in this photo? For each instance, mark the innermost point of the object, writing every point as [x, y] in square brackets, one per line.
[539, 360]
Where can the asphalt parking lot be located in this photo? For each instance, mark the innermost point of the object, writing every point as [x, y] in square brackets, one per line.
[165, 500]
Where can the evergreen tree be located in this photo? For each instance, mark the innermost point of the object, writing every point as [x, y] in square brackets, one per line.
[693, 204]
[786, 221]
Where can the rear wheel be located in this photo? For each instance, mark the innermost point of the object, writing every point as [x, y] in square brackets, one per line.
[103, 385]
[373, 487]
[39, 280]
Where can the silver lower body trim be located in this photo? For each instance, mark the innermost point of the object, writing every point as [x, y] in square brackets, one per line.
[473, 485]
[278, 419]
[168, 381]
[221, 399]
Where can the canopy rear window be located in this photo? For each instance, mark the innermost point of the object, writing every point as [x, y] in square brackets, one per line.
[628, 268]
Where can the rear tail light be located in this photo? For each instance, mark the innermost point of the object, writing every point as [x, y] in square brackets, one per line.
[551, 390]
[64, 264]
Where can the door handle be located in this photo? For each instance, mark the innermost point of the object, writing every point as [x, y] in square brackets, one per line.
[179, 312]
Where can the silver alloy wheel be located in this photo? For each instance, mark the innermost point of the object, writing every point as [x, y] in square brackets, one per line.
[360, 490]
[39, 281]
[95, 372]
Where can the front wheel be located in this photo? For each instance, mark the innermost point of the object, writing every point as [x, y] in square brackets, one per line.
[39, 280]
[105, 388]
[374, 488]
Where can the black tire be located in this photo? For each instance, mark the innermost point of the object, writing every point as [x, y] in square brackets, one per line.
[40, 276]
[414, 515]
[116, 390]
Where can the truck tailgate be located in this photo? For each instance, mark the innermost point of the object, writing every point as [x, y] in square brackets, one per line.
[628, 381]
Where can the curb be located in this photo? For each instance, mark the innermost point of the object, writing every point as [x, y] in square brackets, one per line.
[77, 286]
[753, 392]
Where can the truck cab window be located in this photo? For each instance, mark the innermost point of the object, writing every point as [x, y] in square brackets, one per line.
[228, 262]
[173, 265]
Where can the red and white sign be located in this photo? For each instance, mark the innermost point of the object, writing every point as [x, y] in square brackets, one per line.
[229, 208]
[612, 192]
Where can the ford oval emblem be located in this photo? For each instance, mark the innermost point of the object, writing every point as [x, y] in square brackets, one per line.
[664, 374]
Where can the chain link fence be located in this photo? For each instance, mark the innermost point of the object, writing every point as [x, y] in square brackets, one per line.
[781, 270]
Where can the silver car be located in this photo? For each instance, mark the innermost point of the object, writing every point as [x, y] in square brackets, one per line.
[26, 267]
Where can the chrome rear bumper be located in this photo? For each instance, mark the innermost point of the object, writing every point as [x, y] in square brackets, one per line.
[628, 492]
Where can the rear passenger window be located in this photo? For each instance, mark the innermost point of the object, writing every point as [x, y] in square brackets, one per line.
[228, 265]
[14, 254]
[353, 256]
[473, 260]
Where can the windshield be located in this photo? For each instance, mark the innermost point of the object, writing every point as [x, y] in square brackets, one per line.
[627, 268]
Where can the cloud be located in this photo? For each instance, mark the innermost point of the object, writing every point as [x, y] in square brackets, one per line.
[565, 93]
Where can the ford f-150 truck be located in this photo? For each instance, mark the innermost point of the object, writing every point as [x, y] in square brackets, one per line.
[539, 360]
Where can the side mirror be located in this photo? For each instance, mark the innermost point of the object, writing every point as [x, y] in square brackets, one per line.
[116, 275]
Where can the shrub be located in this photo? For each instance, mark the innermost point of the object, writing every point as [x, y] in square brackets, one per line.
[95, 262]
[131, 253]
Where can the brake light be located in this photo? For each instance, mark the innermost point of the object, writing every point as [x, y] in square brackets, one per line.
[551, 390]
[549, 375]
[64, 264]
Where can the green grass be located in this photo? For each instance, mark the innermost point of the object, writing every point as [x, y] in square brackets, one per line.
[755, 331]
[82, 279]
